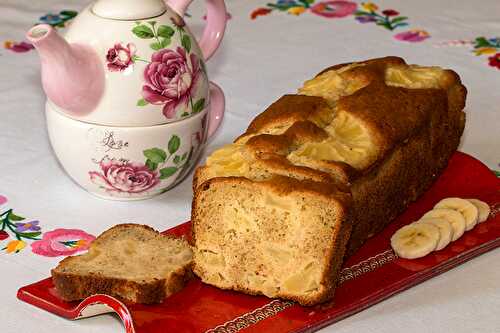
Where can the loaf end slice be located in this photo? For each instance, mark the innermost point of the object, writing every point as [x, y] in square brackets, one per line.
[132, 262]
[280, 238]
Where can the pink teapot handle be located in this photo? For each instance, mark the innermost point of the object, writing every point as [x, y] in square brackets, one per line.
[217, 107]
[216, 23]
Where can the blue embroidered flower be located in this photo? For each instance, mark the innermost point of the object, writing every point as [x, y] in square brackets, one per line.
[52, 19]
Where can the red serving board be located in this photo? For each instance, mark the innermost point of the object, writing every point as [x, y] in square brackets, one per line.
[371, 275]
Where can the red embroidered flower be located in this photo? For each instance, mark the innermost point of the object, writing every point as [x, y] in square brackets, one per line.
[390, 12]
[494, 61]
[3, 235]
[18, 47]
[260, 12]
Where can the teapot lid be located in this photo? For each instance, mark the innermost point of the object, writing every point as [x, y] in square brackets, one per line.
[128, 9]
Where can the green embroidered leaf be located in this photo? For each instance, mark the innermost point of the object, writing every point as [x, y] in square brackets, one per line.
[142, 102]
[399, 19]
[143, 31]
[14, 217]
[177, 159]
[173, 144]
[186, 43]
[156, 46]
[361, 13]
[69, 14]
[199, 105]
[481, 42]
[156, 155]
[184, 114]
[165, 31]
[401, 24]
[167, 172]
[151, 165]
[305, 3]
[30, 234]
[184, 156]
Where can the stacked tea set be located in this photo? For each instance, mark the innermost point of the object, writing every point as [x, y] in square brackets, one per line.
[129, 104]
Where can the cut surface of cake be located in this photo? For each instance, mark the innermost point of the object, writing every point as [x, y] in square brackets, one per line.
[364, 139]
[129, 261]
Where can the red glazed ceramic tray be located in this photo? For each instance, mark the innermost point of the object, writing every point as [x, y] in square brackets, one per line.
[371, 275]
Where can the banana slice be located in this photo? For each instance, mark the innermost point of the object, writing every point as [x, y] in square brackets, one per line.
[483, 209]
[455, 218]
[415, 240]
[467, 209]
[445, 230]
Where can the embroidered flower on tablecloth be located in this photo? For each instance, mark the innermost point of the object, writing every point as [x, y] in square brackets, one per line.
[494, 61]
[52, 243]
[412, 36]
[28, 226]
[62, 242]
[333, 9]
[388, 18]
[390, 12]
[15, 246]
[328, 9]
[20, 47]
[59, 20]
[52, 19]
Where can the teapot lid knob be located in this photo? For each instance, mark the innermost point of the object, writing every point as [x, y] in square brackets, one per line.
[128, 9]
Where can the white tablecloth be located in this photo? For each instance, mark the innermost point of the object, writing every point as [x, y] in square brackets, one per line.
[260, 60]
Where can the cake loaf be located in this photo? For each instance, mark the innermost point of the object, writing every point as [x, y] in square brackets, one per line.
[319, 172]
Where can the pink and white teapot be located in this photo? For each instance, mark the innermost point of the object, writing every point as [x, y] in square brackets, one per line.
[129, 105]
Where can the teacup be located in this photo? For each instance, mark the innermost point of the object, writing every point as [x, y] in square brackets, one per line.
[132, 163]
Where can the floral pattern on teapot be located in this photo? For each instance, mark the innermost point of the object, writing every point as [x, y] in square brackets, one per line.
[171, 74]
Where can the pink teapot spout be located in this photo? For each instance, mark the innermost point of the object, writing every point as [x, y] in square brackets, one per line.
[72, 74]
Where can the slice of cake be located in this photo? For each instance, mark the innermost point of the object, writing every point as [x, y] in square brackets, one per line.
[129, 261]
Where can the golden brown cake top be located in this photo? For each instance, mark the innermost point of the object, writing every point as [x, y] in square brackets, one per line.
[342, 123]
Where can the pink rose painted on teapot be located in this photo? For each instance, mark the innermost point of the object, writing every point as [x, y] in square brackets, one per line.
[120, 57]
[124, 176]
[170, 79]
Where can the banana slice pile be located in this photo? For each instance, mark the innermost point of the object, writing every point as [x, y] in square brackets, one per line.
[447, 222]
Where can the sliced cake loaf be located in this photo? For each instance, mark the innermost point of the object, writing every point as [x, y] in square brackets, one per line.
[129, 261]
[364, 139]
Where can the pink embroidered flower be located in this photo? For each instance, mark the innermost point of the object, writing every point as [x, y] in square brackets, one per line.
[124, 177]
[412, 36]
[2, 199]
[120, 57]
[334, 8]
[170, 78]
[62, 242]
